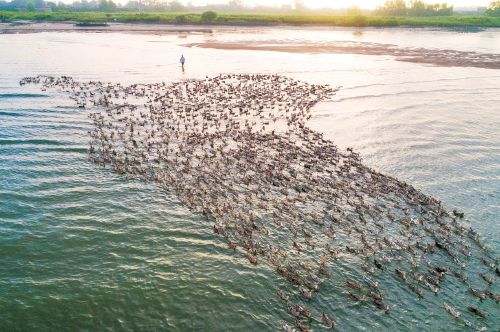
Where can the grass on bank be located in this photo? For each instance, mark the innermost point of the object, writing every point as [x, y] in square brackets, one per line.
[255, 19]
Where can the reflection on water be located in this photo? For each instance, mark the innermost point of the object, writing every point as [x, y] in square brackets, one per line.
[82, 247]
[438, 57]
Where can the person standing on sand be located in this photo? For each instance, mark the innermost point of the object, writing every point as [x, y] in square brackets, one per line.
[182, 60]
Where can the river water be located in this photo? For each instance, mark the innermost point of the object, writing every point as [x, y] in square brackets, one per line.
[82, 248]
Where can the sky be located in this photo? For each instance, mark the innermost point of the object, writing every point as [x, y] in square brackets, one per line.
[367, 4]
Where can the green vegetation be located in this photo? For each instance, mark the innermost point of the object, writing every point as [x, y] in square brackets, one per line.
[234, 12]
[255, 19]
[208, 17]
[107, 6]
[414, 8]
[494, 9]
[30, 7]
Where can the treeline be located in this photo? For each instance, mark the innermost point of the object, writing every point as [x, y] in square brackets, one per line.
[22, 4]
[413, 8]
[174, 6]
[494, 9]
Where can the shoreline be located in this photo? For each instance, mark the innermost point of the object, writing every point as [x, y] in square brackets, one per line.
[11, 21]
[31, 26]
[70, 26]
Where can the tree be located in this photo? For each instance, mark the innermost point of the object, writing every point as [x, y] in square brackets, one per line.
[30, 7]
[414, 8]
[181, 19]
[107, 5]
[39, 3]
[420, 8]
[208, 16]
[393, 8]
[417, 8]
[494, 9]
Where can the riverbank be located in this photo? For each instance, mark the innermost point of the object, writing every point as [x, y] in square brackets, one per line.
[134, 28]
[28, 26]
[254, 19]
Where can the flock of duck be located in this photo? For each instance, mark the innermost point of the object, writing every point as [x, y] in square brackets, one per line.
[237, 150]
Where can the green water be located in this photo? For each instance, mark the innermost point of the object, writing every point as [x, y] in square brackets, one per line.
[82, 248]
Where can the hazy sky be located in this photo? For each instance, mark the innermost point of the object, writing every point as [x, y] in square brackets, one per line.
[369, 4]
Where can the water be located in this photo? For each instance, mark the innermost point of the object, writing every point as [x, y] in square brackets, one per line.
[83, 248]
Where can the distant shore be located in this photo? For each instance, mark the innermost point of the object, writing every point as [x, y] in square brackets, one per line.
[190, 19]
[28, 26]
[140, 28]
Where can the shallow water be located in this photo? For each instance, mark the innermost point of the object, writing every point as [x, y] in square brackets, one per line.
[83, 248]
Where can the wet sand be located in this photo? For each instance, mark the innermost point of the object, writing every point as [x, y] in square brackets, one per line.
[437, 57]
